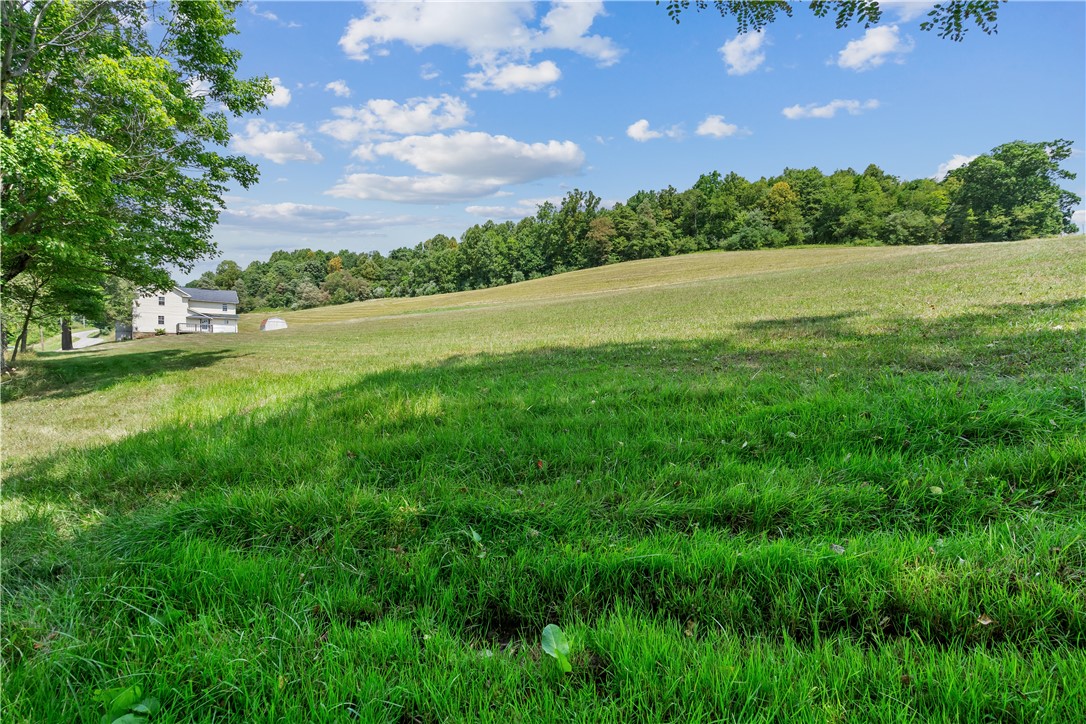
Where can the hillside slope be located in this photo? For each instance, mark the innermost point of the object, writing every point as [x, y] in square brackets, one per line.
[795, 485]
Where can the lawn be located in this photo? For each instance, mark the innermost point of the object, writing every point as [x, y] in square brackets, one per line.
[825, 485]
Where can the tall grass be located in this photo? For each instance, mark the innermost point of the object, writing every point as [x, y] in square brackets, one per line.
[805, 485]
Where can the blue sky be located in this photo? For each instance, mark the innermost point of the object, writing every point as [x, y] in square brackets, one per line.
[393, 122]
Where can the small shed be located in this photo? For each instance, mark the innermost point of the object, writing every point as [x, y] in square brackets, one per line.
[272, 323]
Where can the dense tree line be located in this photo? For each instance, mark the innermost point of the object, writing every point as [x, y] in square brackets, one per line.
[1010, 193]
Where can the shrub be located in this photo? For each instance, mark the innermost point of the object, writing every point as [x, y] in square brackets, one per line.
[910, 227]
[755, 232]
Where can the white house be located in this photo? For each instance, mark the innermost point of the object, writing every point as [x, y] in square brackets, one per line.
[186, 309]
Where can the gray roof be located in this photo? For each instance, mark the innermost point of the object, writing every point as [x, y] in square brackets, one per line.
[215, 296]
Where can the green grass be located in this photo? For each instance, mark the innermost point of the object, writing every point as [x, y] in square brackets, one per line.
[823, 485]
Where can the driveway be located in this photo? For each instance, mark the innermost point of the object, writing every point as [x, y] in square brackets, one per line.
[83, 339]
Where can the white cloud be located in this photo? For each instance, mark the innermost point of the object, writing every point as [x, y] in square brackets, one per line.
[412, 189]
[481, 155]
[198, 87]
[304, 218]
[519, 210]
[716, 127]
[956, 161]
[1079, 218]
[641, 132]
[742, 54]
[381, 118]
[280, 97]
[514, 77]
[340, 88]
[494, 35]
[266, 140]
[829, 110]
[268, 15]
[428, 71]
[908, 9]
[460, 167]
[874, 48]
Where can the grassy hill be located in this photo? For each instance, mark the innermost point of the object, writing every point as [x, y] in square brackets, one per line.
[794, 485]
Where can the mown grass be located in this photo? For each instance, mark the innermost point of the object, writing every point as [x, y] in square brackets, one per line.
[803, 485]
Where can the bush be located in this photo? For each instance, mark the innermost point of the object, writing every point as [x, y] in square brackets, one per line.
[755, 232]
[159, 332]
[910, 227]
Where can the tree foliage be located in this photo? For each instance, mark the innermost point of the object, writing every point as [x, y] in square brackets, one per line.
[110, 114]
[947, 19]
[112, 120]
[1008, 194]
[1012, 193]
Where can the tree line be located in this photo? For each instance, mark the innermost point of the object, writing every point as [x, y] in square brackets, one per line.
[1011, 193]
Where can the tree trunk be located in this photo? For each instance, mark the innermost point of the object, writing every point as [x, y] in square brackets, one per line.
[20, 341]
[66, 334]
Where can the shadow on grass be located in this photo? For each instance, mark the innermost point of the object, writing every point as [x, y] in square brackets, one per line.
[486, 420]
[611, 477]
[70, 374]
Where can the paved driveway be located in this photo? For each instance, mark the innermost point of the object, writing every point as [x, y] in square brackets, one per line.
[83, 339]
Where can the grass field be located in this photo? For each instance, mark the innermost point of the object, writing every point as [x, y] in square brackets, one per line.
[809, 485]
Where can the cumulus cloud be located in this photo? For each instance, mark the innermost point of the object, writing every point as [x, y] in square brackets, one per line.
[1079, 218]
[716, 127]
[280, 97]
[412, 189]
[641, 132]
[481, 155]
[266, 140]
[494, 35]
[304, 218]
[459, 167]
[874, 48]
[829, 110]
[514, 77]
[381, 118]
[956, 161]
[518, 210]
[340, 88]
[743, 53]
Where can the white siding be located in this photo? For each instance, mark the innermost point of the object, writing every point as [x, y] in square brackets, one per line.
[147, 310]
[212, 309]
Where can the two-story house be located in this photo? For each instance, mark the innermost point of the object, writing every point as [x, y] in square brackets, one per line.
[186, 309]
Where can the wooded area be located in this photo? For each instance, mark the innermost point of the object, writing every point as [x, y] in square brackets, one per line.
[1008, 194]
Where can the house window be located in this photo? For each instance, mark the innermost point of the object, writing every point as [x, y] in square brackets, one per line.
[226, 307]
[161, 319]
[162, 301]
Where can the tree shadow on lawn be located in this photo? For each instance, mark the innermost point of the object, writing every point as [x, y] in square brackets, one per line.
[71, 374]
[487, 419]
[707, 437]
